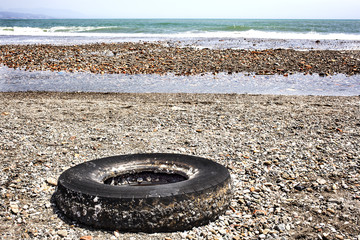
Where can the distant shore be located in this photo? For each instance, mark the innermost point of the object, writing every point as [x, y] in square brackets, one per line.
[160, 58]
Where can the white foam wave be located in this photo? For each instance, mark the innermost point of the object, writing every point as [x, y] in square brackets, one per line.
[53, 31]
[85, 32]
[272, 35]
[75, 29]
[294, 35]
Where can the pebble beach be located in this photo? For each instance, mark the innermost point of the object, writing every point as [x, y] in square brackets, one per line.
[294, 160]
[172, 57]
[74, 90]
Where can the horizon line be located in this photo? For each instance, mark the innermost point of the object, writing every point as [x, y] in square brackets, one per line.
[172, 18]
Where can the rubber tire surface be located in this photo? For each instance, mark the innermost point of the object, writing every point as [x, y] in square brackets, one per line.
[82, 196]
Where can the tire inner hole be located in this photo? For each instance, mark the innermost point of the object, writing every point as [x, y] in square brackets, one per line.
[145, 178]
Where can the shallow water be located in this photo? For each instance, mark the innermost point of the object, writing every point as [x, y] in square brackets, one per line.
[197, 42]
[297, 84]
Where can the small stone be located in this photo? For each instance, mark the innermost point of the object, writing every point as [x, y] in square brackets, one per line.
[280, 227]
[339, 237]
[108, 53]
[267, 163]
[212, 230]
[288, 227]
[5, 113]
[300, 187]
[62, 233]
[287, 176]
[51, 181]
[260, 213]
[330, 210]
[86, 238]
[246, 191]
[14, 208]
[175, 108]
[321, 181]
[116, 234]
[334, 200]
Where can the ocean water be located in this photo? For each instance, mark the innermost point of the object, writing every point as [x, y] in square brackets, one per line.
[182, 28]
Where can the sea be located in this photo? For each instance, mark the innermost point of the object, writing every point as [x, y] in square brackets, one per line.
[110, 29]
[298, 34]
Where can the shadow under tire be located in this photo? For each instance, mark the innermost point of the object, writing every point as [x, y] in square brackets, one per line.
[144, 192]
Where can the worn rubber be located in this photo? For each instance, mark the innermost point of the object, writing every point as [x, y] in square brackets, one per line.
[82, 195]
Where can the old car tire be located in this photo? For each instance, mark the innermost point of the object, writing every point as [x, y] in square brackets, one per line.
[201, 196]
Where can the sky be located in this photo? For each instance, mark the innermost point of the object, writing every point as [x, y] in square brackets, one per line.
[278, 9]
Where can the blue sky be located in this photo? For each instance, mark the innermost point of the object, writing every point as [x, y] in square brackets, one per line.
[313, 9]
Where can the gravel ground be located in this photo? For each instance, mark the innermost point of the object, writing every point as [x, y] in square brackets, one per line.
[160, 58]
[294, 160]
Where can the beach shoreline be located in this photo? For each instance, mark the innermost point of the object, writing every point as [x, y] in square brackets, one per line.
[246, 43]
[293, 159]
[259, 43]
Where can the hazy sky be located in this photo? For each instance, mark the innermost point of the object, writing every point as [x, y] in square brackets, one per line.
[334, 9]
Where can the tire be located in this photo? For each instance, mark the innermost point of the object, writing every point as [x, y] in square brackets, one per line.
[181, 192]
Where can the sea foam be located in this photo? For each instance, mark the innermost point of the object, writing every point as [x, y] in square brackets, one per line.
[106, 31]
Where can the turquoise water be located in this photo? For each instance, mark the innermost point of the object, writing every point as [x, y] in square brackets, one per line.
[329, 29]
